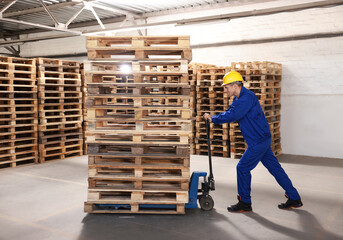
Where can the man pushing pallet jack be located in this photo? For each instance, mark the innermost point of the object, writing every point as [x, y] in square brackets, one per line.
[247, 110]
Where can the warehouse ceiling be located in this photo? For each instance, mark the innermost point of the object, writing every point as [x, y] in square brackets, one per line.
[27, 16]
[63, 18]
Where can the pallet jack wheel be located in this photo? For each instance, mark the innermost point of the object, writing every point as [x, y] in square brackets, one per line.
[206, 203]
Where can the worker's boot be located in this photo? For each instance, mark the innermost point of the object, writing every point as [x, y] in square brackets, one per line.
[240, 206]
[289, 204]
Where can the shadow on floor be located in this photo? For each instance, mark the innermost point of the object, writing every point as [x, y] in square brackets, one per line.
[195, 224]
[312, 229]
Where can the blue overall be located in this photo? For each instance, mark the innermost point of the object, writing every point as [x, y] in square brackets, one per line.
[255, 129]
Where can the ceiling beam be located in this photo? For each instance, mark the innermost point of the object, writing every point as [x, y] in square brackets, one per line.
[89, 6]
[71, 26]
[75, 16]
[39, 26]
[115, 10]
[229, 16]
[41, 9]
[9, 4]
[49, 12]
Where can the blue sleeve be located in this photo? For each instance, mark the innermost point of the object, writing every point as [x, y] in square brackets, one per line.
[236, 111]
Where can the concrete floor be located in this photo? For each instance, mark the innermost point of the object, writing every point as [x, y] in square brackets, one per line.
[43, 202]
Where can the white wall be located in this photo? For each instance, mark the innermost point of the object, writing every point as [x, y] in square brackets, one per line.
[312, 81]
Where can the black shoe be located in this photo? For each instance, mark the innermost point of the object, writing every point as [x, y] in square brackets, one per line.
[290, 204]
[240, 206]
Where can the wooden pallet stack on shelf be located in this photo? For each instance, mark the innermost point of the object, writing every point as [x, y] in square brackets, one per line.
[19, 116]
[84, 109]
[139, 124]
[264, 79]
[60, 109]
[211, 99]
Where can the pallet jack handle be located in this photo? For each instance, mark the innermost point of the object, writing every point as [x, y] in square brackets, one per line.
[210, 178]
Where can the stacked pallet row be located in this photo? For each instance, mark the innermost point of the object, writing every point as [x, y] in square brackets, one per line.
[84, 109]
[19, 117]
[139, 115]
[211, 99]
[192, 76]
[264, 79]
[192, 73]
[60, 109]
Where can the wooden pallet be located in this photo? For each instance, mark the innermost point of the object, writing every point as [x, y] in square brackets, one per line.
[135, 208]
[17, 67]
[264, 79]
[142, 113]
[158, 101]
[60, 150]
[48, 137]
[138, 48]
[210, 89]
[217, 153]
[142, 132]
[139, 137]
[138, 172]
[126, 196]
[139, 161]
[142, 91]
[137, 67]
[11, 159]
[211, 77]
[214, 142]
[146, 79]
[139, 41]
[69, 64]
[256, 65]
[150, 53]
[211, 108]
[137, 150]
[172, 183]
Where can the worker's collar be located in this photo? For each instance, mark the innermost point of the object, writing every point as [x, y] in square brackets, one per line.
[243, 89]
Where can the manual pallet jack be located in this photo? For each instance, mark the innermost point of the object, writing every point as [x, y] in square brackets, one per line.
[205, 200]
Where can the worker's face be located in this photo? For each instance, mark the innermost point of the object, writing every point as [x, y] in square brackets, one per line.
[230, 89]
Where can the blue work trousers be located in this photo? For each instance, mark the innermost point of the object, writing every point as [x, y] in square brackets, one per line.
[251, 157]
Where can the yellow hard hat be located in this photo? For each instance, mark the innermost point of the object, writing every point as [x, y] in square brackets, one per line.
[231, 77]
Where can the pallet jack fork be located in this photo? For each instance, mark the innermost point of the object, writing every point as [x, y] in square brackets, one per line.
[205, 200]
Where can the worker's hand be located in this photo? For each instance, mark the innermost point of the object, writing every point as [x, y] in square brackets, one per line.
[207, 116]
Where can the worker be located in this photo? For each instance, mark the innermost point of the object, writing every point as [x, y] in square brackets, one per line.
[247, 110]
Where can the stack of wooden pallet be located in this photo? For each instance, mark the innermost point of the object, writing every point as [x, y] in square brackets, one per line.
[19, 117]
[60, 109]
[84, 108]
[192, 76]
[139, 117]
[211, 99]
[192, 73]
[264, 79]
